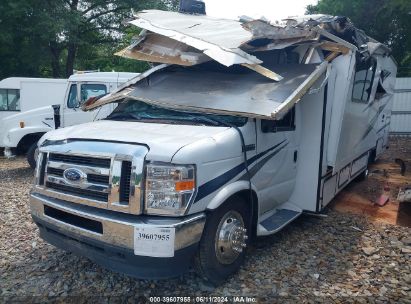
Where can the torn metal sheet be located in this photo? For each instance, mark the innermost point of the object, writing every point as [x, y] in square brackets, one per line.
[243, 94]
[122, 91]
[156, 48]
[219, 39]
[187, 40]
[299, 92]
[336, 28]
[166, 50]
[375, 47]
[263, 29]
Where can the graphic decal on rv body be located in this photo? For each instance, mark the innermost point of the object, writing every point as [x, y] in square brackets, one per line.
[214, 184]
[373, 121]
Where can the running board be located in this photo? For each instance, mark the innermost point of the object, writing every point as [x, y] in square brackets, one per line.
[277, 221]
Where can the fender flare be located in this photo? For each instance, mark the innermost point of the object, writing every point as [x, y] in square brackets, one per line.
[229, 190]
[14, 136]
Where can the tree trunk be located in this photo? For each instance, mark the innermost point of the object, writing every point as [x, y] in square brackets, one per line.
[71, 46]
[55, 59]
[71, 56]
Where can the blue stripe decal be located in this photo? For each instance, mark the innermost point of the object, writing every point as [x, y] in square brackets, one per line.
[214, 184]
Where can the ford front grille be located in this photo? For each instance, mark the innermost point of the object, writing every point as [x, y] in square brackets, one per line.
[98, 174]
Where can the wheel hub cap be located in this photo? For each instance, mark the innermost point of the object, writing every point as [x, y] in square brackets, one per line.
[231, 237]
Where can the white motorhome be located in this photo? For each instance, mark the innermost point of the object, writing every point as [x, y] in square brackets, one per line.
[45, 101]
[243, 126]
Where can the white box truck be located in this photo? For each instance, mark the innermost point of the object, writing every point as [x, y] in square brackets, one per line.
[22, 94]
[243, 127]
[43, 102]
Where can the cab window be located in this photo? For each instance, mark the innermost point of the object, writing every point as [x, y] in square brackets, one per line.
[92, 90]
[72, 97]
[287, 123]
[9, 100]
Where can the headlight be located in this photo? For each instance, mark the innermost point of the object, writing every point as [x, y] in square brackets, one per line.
[169, 188]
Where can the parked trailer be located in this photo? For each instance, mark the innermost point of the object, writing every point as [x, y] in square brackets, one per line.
[243, 126]
[47, 104]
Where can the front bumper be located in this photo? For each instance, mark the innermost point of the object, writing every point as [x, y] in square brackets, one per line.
[107, 237]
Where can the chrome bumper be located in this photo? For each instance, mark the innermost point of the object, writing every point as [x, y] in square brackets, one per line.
[117, 228]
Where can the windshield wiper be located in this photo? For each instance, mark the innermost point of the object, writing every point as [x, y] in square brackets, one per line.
[124, 116]
[204, 119]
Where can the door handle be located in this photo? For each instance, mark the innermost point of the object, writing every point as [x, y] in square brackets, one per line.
[295, 156]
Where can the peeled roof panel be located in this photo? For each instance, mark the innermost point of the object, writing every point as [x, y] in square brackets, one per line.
[161, 49]
[225, 32]
[220, 39]
[250, 95]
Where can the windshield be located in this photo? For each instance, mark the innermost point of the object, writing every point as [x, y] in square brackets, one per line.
[133, 110]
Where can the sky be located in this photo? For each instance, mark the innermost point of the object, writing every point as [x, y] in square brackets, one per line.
[271, 9]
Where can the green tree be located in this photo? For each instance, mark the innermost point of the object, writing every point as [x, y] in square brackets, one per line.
[388, 21]
[20, 50]
[53, 37]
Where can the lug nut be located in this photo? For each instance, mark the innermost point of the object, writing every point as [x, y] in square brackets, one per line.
[239, 250]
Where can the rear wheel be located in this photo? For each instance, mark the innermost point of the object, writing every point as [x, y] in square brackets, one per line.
[32, 154]
[224, 241]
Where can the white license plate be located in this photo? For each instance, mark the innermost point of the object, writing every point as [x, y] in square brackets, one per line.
[154, 242]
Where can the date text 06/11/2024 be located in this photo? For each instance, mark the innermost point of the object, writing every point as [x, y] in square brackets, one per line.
[203, 299]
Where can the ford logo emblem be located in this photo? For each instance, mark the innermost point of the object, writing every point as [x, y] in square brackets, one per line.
[73, 175]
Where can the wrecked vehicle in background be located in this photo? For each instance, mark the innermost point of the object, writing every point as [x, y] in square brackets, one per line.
[240, 128]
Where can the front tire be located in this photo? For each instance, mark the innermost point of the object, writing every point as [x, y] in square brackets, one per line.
[32, 155]
[224, 242]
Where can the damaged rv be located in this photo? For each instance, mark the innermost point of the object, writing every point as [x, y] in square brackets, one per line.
[237, 129]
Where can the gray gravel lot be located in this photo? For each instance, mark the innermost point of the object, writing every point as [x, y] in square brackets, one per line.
[339, 258]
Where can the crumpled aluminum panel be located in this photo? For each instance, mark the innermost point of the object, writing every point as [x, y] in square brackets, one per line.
[244, 94]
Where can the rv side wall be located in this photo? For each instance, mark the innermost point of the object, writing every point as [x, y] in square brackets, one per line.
[310, 116]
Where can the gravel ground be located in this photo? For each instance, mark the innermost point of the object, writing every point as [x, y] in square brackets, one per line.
[338, 258]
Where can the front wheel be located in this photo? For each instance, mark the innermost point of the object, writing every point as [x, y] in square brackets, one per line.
[32, 154]
[224, 241]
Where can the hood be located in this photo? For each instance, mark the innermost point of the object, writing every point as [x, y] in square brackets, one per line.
[46, 111]
[39, 120]
[163, 140]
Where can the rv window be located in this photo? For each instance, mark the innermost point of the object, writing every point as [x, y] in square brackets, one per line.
[13, 99]
[72, 97]
[3, 100]
[363, 79]
[287, 123]
[9, 100]
[92, 90]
